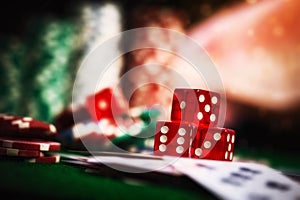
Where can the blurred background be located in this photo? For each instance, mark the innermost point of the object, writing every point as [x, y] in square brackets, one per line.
[255, 45]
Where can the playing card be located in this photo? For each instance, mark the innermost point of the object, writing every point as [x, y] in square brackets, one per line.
[126, 162]
[227, 180]
[136, 165]
[239, 180]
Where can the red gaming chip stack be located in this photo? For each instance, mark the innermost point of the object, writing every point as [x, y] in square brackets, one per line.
[193, 131]
[27, 139]
[25, 127]
[33, 144]
[45, 159]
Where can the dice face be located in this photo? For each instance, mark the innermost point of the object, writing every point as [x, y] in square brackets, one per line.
[195, 111]
[173, 138]
[106, 103]
[213, 143]
[196, 106]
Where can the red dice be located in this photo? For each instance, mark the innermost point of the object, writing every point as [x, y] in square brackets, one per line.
[173, 138]
[106, 103]
[184, 139]
[213, 143]
[193, 132]
[196, 106]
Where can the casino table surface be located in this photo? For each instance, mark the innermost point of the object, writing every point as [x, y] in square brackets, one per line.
[21, 180]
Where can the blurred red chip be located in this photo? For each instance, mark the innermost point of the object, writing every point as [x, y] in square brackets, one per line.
[26, 127]
[45, 159]
[19, 152]
[33, 144]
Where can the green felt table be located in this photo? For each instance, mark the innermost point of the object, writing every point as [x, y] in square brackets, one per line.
[21, 180]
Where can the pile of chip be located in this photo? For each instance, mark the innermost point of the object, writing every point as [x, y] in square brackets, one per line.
[27, 139]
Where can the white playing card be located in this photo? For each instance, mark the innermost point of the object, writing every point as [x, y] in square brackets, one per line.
[239, 180]
[136, 165]
[227, 180]
[126, 162]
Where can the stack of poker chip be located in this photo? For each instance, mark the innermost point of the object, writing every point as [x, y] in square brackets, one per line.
[132, 131]
[99, 22]
[27, 139]
[47, 73]
[11, 56]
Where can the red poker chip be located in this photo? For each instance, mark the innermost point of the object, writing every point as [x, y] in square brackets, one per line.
[45, 159]
[20, 152]
[16, 126]
[32, 144]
